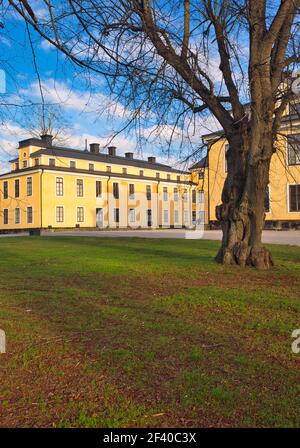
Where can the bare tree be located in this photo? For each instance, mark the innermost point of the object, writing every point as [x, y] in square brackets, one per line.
[169, 61]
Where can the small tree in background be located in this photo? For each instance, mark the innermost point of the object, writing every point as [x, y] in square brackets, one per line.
[170, 60]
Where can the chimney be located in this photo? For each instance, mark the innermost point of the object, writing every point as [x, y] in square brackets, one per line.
[47, 139]
[152, 159]
[112, 150]
[129, 155]
[94, 148]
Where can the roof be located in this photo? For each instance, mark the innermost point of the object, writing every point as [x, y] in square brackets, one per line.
[57, 151]
[203, 163]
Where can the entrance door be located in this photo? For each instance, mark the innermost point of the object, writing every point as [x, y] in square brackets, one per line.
[149, 217]
[99, 217]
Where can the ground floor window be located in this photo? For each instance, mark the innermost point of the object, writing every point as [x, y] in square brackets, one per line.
[59, 214]
[267, 200]
[29, 215]
[131, 215]
[294, 198]
[5, 216]
[185, 216]
[176, 216]
[80, 214]
[17, 216]
[116, 215]
[194, 217]
[166, 216]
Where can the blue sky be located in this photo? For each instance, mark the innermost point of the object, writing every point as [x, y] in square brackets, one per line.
[83, 102]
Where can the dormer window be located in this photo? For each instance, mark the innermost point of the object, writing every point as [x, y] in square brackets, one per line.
[72, 164]
[51, 162]
[17, 166]
[24, 164]
[36, 162]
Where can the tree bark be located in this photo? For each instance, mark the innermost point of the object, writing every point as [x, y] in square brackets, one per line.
[242, 212]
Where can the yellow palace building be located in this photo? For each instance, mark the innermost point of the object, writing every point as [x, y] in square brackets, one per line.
[56, 187]
[282, 199]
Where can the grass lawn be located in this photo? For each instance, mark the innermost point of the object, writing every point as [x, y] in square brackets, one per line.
[143, 332]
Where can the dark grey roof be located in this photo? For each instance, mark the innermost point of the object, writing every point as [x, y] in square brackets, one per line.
[203, 163]
[117, 160]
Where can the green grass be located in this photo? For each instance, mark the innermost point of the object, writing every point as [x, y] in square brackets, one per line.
[144, 332]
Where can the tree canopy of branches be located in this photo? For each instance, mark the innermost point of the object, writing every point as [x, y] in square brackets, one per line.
[171, 60]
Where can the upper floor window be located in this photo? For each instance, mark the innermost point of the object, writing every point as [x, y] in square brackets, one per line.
[226, 148]
[148, 192]
[194, 196]
[5, 189]
[185, 195]
[293, 149]
[157, 175]
[51, 162]
[79, 187]
[141, 173]
[116, 190]
[29, 186]
[59, 186]
[98, 188]
[165, 193]
[124, 170]
[17, 188]
[72, 164]
[178, 178]
[294, 198]
[176, 194]
[169, 176]
[91, 166]
[29, 215]
[24, 164]
[131, 191]
[17, 165]
[5, 216]
[108, 169]
[36, 162]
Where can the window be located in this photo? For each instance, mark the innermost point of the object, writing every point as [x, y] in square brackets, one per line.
[124, 170]
[29, 186]
[194, 217]
[5, 216]
[131, 215]
[17, 188]
[59, 214]
[29, 215]
[194, 197]
[293, 149]
[185, 195]
[165, 193]
[185, 216]
[5, 189]
[98, 188]
[201, 197]
[72, 164]
[51, 162]
[168, 176]
[17, 165]
[17, 216]
[141, 173]
[176, 217]
[80, 214]
[166, 216]
[157, 175]
[267, 200]
[59, 186]
[108, 169]
[79, 187]
[148, 192]
[294, 198]
[91, 166]
[36, 162]
[131, 191]
[116, 191]
[176, 194]
[178, 178]
[226, 147]
[24, 164]
[201, 217]
[116, 215]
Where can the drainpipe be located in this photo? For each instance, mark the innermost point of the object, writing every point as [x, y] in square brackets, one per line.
[41, 197]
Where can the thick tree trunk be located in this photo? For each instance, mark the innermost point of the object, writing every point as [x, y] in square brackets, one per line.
[242, 212]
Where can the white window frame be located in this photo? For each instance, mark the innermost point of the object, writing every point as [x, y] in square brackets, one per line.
[56, 178]
[31, 214]
[27, 179]
[17, 221]
[63, 209]
[4, 212]
[80, 195]
[80, 207]
[132, 216]
[288, 198]
[166, 214]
